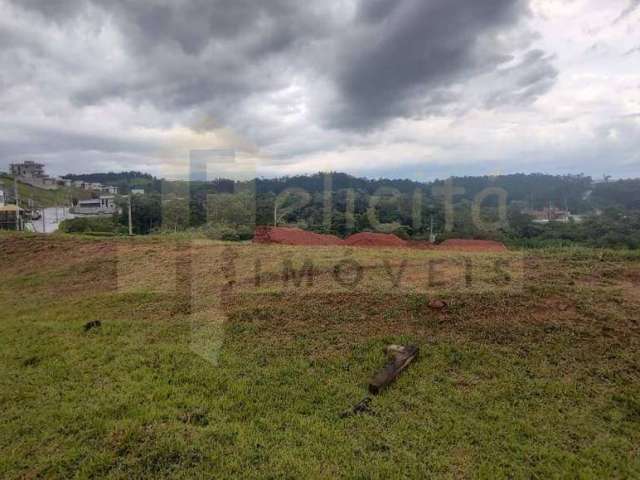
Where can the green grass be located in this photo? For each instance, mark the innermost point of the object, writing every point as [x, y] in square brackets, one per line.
[538, 380]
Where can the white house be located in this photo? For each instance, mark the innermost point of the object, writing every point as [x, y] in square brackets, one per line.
[137, 191]
[105, 205]
[109, 189]
[549, 214]
[3, 200]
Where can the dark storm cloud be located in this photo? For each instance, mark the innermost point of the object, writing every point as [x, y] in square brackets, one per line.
[194, 24]
[395, 60]
[190, 24]
[38, 140]
[277, 72]
[56, 10]
[11, 37]
[401, 50]
[211, 54]
[523, 83]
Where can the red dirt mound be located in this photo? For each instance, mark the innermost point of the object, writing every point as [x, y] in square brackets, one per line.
[366, 239]
[472, 245]
[293, 236]
[297, 236]
[420, 244]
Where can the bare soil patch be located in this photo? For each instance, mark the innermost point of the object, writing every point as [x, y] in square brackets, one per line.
[460, 245]
[297, 236]
[367, 239]
[293, 236]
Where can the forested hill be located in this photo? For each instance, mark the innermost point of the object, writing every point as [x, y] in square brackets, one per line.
[609, 210]
[123, 180]
[576, 193]
[110, 177]
[537, 190]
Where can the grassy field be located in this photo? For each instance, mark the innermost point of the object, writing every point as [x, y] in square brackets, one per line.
[215, 360]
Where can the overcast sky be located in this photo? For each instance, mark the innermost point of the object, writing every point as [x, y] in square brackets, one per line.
[400, 88]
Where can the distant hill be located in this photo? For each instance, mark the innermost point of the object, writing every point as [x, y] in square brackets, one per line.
[39, 196]
[608, 213]
[123, 180]
[109, 177]
[536, 190]
[577, 193]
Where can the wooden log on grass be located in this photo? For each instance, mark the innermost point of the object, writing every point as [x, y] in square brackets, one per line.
[399, 358]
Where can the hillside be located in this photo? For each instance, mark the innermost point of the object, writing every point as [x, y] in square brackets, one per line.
[123, 180]
[504, 208]
[41, 197]
[199, 369]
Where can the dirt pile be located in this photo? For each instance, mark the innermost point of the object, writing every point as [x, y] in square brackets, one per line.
[421, 245]
[293, 236]
[297, 236]
[460, 245]
[367, 239]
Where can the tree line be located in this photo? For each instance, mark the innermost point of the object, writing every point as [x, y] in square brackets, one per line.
[341, 204]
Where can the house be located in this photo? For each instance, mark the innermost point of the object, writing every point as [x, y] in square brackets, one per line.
[93, 186]
[3, 199]
[137, 191]
[109, 189]
[105, 205]
[27, 169]
[87, 185]
[549, 214]
[32, 173]
[49, 182]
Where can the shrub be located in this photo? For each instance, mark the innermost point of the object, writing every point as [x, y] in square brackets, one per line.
[228, 232]
[90, 225]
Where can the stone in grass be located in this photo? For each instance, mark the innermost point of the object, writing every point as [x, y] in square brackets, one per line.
[91, 325]
[31, 362]
[364, 406]
[437, 304]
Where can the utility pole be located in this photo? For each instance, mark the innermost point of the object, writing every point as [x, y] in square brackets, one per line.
[17, 195]
[275, 213]
[432, 237]
[130, 221]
